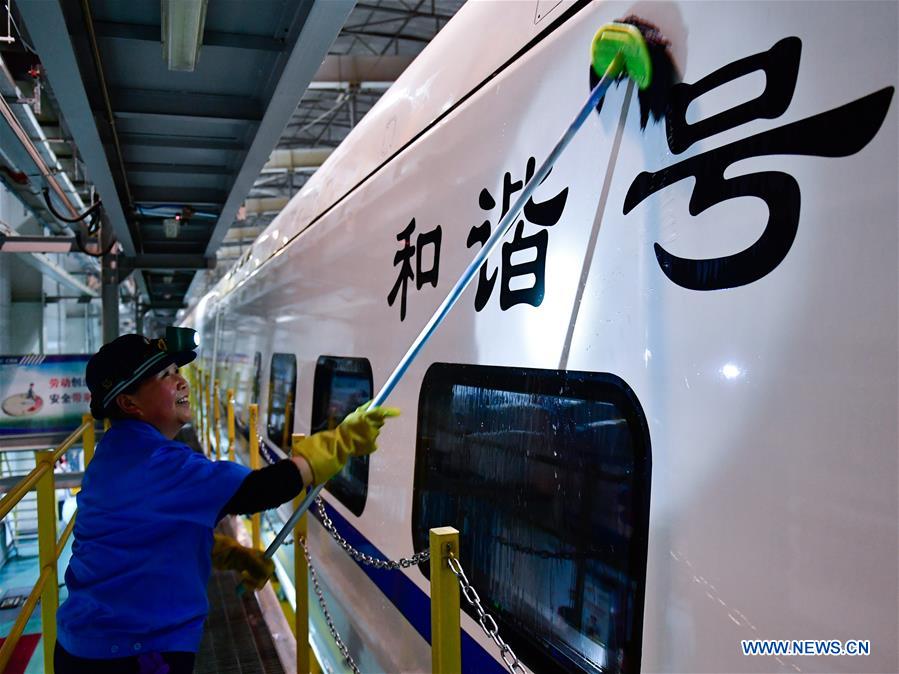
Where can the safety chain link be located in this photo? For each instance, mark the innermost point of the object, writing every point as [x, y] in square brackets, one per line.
[324, 607]
[265, 451]
[488, 624]
[402, 563]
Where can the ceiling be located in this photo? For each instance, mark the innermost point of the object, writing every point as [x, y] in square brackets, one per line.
[293, 76]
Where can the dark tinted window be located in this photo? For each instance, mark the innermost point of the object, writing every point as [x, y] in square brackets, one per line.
[257, 378]
[546, 476]
[341, 385]
[282, 394]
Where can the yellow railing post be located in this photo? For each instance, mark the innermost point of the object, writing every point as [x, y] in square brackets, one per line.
[216, 418]
[230, 396]
[46, 539]
[446, 651]
[89, 439]
[301, 579]
[107, 424]
[254, 464]
[206, 414]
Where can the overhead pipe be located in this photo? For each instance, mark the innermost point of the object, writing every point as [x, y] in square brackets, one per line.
[49, 166]
[17, 129]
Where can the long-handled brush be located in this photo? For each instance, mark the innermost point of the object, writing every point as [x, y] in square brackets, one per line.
[623, 49]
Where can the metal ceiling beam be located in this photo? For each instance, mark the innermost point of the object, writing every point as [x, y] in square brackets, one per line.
[297, 158]
[146, 33]
[37, 244]
[404, 12]
[165, 262]
[240, 234]
[178, 104]
[9, 237]
[318, 32]
[193, 196]
[178, 169]
[50, 37]
[48, 267]
[361, 70]
[391, 36]
[182, 142]
[265, 205]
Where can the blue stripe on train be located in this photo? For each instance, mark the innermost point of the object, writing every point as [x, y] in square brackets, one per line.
[412, 602]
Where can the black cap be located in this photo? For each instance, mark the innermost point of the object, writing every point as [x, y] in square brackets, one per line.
[129, 359]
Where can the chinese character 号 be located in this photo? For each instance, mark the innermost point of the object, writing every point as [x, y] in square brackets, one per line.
[839, 132]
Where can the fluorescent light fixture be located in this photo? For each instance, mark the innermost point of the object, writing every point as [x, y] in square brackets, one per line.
[182, 32]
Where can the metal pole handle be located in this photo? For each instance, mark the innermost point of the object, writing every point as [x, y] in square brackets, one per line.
[505, 224]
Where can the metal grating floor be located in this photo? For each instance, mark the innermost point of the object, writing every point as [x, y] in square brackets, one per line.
[236, 640]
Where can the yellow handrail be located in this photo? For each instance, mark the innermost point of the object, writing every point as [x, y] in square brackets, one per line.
[46, 546]
[72, 439]
[254, 465]
[230, 396]
[14, 495]
[216, 418]
[50, 548]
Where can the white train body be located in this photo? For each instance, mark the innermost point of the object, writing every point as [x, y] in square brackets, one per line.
[766, 381]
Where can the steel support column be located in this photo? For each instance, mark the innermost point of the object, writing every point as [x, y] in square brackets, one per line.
[110, 290]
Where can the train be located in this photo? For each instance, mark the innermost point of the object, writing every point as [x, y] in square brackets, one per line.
[663, 418]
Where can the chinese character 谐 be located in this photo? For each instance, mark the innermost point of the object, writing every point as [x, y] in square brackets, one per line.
[543, 214]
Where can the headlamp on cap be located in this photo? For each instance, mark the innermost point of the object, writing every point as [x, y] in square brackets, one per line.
[181, 339]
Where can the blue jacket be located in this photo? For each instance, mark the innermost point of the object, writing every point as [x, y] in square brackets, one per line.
[142, 544]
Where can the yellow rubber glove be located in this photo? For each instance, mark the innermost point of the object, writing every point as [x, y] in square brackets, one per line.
[328, 451]
[228, 554]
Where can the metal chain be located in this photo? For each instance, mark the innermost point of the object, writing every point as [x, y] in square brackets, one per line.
[488, 624]
[402, 563]
[321, 602]
[265, 451]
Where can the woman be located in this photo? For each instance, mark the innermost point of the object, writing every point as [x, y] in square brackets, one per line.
[143, 539]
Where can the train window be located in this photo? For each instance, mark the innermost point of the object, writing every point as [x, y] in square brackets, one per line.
[257, 378]
[546, 476]
[282, 392]
[341, 385]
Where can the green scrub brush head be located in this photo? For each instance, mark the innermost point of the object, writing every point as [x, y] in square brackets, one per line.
[638, 50]
[619, 49]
